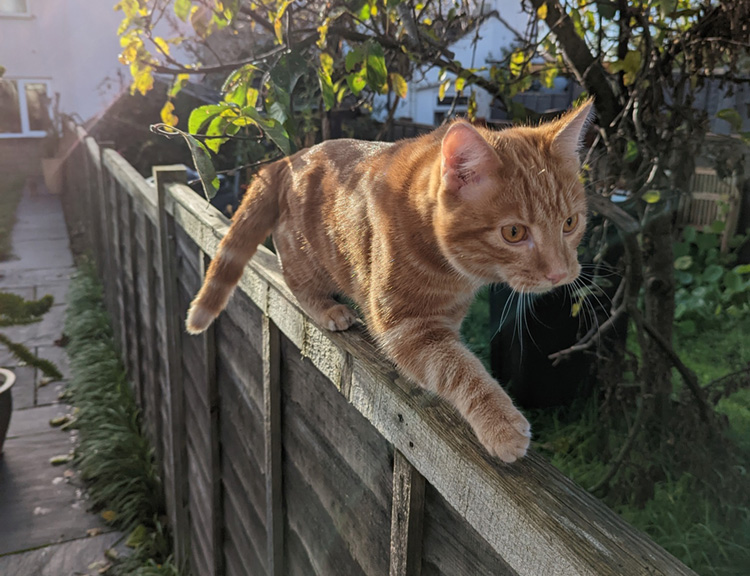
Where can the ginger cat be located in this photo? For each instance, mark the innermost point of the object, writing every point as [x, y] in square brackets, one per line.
[410, 231]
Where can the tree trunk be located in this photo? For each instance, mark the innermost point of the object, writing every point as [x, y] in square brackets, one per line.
[659, 300]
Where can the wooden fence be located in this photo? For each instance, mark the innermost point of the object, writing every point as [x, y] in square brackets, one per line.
[288, 449]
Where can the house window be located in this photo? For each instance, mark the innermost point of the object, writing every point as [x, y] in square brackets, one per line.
[14, 7]
[24, 108]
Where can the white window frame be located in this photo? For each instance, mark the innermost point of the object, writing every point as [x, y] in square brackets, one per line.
[26, 131]
[26, 14]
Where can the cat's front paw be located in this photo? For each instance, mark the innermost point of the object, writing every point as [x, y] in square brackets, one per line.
[501, 428]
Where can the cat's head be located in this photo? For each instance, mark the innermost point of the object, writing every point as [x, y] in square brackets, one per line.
[511, 207]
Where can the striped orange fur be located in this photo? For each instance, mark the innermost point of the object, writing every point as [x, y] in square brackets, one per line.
[410, 231]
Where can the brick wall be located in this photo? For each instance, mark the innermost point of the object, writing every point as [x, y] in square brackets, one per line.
[20, 157]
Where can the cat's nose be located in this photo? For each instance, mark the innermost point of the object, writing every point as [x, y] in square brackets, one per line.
[556, 275]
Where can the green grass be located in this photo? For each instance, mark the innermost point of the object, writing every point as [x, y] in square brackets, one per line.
[10, 196]
[113, 456]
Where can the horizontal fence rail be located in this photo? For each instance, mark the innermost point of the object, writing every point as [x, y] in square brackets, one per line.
[288, 449]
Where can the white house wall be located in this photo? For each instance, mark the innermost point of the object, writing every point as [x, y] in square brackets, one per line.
[420, 103]
[73, 45]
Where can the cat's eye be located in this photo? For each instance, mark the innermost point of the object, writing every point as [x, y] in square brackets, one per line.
[513, 233]
[570, 224]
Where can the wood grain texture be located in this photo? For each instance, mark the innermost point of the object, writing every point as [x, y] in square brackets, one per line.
[272, 435]
[406, 518]
[451, 547]
[351, 518]
[344, 411]
[176, 452]
[532, 516]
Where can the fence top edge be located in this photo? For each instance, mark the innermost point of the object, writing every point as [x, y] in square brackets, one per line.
[556, 507]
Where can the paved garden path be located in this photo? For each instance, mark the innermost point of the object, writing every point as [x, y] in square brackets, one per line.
[45, 529]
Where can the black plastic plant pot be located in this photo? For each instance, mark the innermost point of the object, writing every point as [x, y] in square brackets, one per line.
[7, 379]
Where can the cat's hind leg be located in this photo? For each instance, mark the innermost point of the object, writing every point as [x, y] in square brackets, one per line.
[329, 313]
[315, 289]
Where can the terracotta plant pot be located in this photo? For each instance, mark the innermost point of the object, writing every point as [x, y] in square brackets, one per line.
[7, 379]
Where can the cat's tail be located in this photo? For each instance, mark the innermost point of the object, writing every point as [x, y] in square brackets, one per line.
[251, 224]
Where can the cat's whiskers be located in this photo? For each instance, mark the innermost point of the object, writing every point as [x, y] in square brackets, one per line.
[505, 312]
[587, 307]
[594, 288]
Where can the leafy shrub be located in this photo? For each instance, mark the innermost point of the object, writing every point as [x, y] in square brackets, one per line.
[710, 287]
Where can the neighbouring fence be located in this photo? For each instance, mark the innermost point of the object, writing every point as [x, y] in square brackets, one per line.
[288, 449]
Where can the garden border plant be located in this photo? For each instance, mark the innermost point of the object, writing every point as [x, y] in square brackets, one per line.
[113, 455]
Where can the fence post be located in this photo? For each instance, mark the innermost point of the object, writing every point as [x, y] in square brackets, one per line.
[176, 460]
[407, 514]
[110, 242]
[208, 343]
[272, 431]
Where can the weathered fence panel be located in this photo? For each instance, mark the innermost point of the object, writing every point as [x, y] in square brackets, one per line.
[287, 449]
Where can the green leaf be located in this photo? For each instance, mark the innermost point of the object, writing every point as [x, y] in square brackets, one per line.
[377, 72]
[326, 89]
[460, 83]
[631, 152]
[717, 226]
[712, 273]
[287, 71]
[684, 278]
[732, 116]
[688, 327]
[683, 263]
[201, 159]
[353, 58]
[651, 196]
[216, 128]
[688, 234]
[277, 112]
[277, 134]
[242, 75]
[201, 116]
[356, 82]
[742, 269]
[182, 9]
[733, 281]
[667, 7]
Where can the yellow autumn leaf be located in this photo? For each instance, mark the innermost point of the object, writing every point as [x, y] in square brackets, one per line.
[575, 309]
[162, 44]
[542, 11]
[143, 80]
[399, 85]
[167, 114]
[109, 515]
[651, 196]
[443, 87]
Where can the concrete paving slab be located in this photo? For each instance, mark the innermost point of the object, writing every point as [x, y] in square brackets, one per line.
[57, 356]
[25, 292]
[34, 420]
[48, 394]
[33, 277]
[36, 254]
[58, 290]
[23, 391]
[42, 333]
[84, 556]
[39, 506]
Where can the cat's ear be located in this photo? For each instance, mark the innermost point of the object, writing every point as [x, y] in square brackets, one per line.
[570, 130]
[467, 158]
